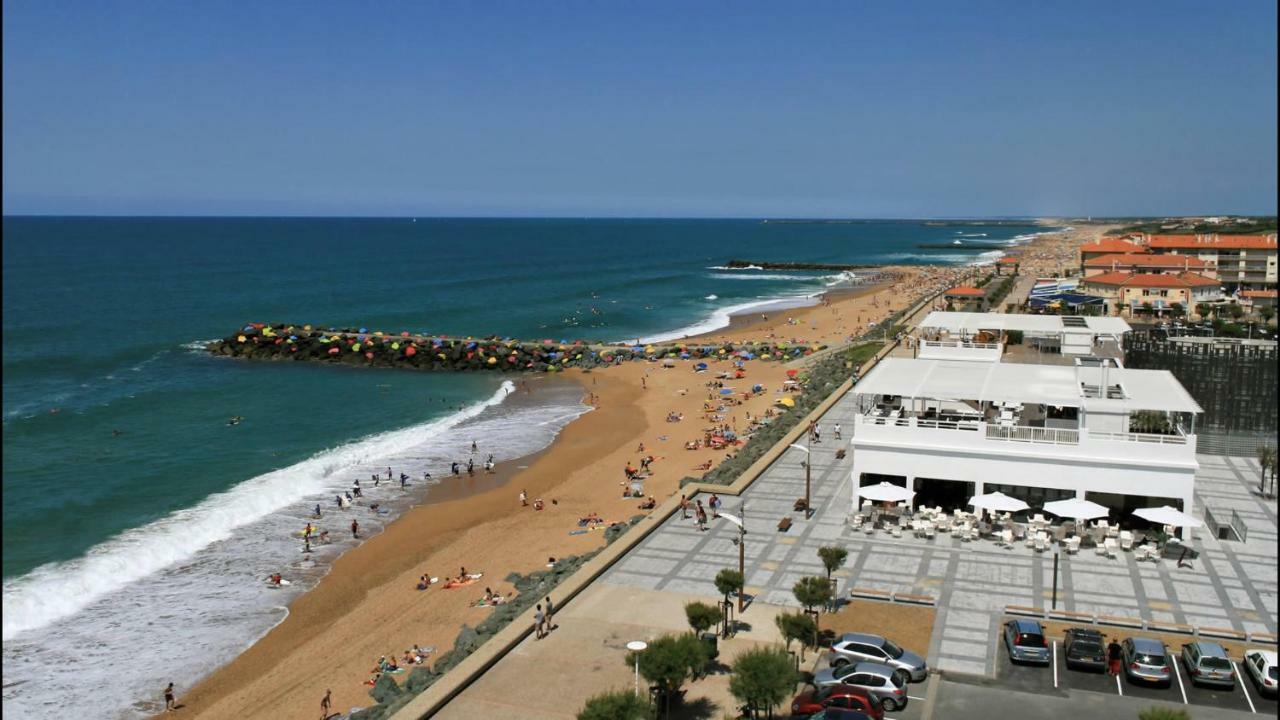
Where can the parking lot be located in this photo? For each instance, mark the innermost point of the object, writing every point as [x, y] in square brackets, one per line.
[1056, 679]
[917, 696]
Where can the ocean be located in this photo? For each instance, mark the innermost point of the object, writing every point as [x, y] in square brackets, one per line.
[139, 524]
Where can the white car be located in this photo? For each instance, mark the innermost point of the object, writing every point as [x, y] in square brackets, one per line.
[1261, 666]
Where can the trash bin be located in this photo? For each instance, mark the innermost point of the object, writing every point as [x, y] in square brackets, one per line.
[713, 644]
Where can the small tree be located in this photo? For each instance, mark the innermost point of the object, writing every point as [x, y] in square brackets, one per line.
[1267, 313]
[811, 592]
[761, 678]
[1236, 311]
[832, 558]
[1177, 310]
[729, 581]
[796, 626]
[701, 616]
[1163, 713]
[616, 705]
[1203, 310]
[1146, 307]
[669, 661]
[1267, 459]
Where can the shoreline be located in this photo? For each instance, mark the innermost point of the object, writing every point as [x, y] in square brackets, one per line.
[365, 606]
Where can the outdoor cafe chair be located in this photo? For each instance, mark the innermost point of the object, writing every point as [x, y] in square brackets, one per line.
[1113, 531]
[1142, 552]
[1042, 541]
[1073, 544]
[1126, 540]
[1111, 547]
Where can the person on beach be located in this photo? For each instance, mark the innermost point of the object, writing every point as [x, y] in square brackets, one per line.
[170, 703]
[326, 704]
[473, 447]
[388, 472]
[538, 619]
[318, 511]
[454, 467]
[355, 529]
[524, 499]
[425, 476]
[404, 481]
[471, 467]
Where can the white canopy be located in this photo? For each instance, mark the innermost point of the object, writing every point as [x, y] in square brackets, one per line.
[998, 502]
[1166, 515]
[1060, 385]
[1075, 508]
[885, 492]
[970, 323]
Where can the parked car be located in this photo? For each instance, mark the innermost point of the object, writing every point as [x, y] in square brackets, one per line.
[835, 714]
[836, 697]
[1026, 642]
[1145, 661]
[1207, 664]
[1261, 666]
[857, 647]
[882, 682]
[1085, 649]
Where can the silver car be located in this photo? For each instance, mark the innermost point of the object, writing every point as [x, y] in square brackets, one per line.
[887, 685]
[1145, 660]
[859, 647]
[1025, 641]
[1207, 664]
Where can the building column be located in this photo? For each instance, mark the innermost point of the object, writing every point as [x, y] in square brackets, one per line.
[855, 482]
[1187, 506]
[911, 485]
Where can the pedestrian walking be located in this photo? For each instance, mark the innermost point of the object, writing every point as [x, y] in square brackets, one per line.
[550, 612]
[714, 502]
[1115, 656]
[837, 431]
[326, 704]
[538, 619]
[170, 703]
[701, 516]
[684, 507]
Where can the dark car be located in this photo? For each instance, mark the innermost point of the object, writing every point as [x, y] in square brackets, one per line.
[1026, 642]
[1085, 650]
[836, 697]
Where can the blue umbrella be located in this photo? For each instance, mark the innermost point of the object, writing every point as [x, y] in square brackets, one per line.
[364, 330]
[684, 355]
[700, 366]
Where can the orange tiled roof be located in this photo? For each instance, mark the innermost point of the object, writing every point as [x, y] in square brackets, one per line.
[1151, 280]
[1112, 245]
[1145, 260]
[1222, 242]
[966, 291]
[1259, 293]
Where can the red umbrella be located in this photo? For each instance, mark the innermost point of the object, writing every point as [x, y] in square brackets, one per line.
[792, 373]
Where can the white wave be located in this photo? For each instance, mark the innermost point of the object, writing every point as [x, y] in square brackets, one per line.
[848, 276]
[711, 297]
[58, 590]
[987, 258]
[720, 317]
[721, 276]
[198, 345]
[971, 234]
[724, 267]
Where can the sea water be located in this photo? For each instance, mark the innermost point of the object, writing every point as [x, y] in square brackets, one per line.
[139, 524]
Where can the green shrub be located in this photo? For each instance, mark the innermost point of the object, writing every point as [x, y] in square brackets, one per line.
[616, 705]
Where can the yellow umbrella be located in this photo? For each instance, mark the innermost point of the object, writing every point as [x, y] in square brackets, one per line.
[787, 402]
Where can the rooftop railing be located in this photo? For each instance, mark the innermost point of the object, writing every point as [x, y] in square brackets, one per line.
[1026, 433]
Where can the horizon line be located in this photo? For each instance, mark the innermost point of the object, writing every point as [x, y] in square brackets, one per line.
[174, 216]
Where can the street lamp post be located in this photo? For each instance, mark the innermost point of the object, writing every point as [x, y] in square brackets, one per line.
[1056, 550]
[636, 646]
[742, 544]
[805, 450]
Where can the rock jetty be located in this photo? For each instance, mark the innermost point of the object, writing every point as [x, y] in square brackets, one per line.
[361, 347]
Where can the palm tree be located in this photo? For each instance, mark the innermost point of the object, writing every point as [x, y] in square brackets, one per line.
[1267, 459]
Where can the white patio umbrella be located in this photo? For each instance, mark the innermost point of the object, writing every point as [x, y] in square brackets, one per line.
[998, 502]
[885, 492]
[1166, 515]
[1076, 509]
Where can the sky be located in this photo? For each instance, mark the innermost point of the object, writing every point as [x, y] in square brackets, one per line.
[637, 109]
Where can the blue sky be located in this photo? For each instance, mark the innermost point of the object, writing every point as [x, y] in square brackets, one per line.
[847, 109]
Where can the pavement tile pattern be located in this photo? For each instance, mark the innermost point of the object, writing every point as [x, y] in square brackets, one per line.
[1231, 585]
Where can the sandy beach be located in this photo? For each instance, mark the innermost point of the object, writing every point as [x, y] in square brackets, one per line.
[367, 606]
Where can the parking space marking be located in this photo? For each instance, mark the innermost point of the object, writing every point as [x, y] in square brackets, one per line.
[1055, 664]
[917, 699]
[1118, 688]
[1241, 681]
[1178, 674]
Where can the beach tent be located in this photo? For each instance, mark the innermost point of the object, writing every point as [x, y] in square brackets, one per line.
[726, 391]
[787, 402]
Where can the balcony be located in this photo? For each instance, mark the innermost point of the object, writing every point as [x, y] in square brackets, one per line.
[977, 436]
[960, 350]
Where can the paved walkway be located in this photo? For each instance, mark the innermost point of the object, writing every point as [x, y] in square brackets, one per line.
[1231, 585]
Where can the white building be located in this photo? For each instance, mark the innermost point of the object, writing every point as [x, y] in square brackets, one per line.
[981, 336]
[950, 429]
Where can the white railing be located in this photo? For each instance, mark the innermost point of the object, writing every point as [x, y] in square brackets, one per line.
[918, 423]
[1139, 437]
[959, 344]
[1026, 433]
